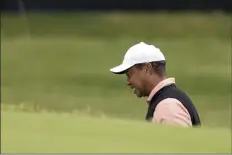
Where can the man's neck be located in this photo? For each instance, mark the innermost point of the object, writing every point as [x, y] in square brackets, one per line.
[153, 83]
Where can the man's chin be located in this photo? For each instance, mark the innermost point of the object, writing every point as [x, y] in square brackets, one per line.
[139, 95]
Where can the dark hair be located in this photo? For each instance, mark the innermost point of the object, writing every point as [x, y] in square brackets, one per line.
[159, 67]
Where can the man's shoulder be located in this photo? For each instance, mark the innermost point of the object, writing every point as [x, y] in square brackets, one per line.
[177, 93]
[170, 91]
[171, 95]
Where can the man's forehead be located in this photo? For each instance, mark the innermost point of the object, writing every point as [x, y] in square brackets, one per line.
[129, 70]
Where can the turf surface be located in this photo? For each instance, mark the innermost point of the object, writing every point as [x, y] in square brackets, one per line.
[78, 133]
[60, 62]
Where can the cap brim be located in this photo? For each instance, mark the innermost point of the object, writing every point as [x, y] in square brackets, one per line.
[120, 69]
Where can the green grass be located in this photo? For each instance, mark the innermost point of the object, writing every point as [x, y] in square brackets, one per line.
[60, 62]
[66, 74]
[78, 133]
[119, 25]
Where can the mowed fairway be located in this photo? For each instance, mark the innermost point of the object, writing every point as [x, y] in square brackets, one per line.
[60, 63]
[65, 133]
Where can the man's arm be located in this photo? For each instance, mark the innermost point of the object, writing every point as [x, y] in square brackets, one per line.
[171, 111]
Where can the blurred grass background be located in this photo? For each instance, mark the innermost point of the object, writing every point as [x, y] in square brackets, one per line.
[61, 61]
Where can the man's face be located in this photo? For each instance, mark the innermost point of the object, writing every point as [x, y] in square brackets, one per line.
[136, 79]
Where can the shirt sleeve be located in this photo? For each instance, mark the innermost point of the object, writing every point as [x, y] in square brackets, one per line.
[171, 111]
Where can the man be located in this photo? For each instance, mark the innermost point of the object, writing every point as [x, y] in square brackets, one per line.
[144, 66]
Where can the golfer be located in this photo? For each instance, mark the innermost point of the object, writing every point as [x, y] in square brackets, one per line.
[144, 66]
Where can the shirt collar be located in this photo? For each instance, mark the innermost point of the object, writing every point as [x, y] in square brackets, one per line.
[159, 86]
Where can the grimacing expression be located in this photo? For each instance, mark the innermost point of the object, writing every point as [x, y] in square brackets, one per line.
[136, 79]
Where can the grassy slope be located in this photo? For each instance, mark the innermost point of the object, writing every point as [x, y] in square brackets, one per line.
[64, 63]
[77, 133]
[40, 71]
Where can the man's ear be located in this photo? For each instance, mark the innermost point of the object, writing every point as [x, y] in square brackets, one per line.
[148, 68]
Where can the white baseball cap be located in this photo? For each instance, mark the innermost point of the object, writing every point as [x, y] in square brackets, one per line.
[139, 53]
